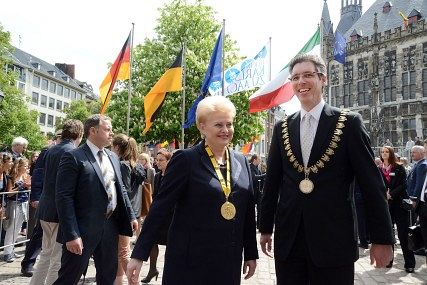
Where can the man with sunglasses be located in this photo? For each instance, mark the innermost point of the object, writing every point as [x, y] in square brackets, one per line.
[315, 155]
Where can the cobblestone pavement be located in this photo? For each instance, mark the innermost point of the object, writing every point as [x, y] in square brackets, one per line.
[265, 273]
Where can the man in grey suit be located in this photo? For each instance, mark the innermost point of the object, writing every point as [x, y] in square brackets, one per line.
[50, 258]
[93, 206]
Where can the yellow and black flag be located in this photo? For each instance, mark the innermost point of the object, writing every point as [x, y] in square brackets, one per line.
[170, 81]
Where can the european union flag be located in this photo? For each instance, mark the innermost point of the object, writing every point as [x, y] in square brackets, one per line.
[339, 48]
[214, 73]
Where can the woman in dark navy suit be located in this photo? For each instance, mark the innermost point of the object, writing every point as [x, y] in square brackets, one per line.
[210, 189]
[394, 176]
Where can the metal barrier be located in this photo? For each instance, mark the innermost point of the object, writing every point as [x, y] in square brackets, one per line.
[4, 201]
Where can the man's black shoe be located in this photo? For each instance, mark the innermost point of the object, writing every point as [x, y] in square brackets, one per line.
[27, 272]
[409, 270]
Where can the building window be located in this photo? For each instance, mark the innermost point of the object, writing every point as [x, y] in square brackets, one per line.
[79, 96]
[50, 121]
[52, 87]
[42, 119]
[45, 84]
[389, 129]
[73, 95]
[66, 92]
[408, 85]
[348, 96]
[362, 93]
[36, 81]
[390, 88]
[59, 105]
[408, 129]
[348, 72]
[43, 101]
[334, 95]
[424, 120]
[424, 82]
[66, 105]
[35, 98]
[51, 103]
[21, 86]
[59, 90]
[390, 63]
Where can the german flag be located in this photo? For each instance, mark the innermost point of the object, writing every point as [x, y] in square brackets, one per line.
[170, 81]
[118, 71]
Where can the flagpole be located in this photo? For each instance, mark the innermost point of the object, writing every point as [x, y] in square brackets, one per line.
[183, 95]
[223, 56]
[130, 80]
[269, 55]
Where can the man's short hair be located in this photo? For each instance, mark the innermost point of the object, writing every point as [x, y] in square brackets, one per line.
[315, 59]
[72, 130]
[255, 156]
[19, 141]
[94, 121]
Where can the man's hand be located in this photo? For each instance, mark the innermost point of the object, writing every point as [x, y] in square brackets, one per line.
[135, 225]
[381, 255]
[249, 266]
[133, 270]
[265, 243]
[75, 246]
[34, 204]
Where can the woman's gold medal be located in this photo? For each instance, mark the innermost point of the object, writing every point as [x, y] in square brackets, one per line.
[228, 211]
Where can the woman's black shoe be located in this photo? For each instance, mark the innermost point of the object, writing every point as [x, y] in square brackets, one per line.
[409, 269]
[150, 276]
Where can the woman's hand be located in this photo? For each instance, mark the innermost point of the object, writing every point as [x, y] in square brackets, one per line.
[249, 266]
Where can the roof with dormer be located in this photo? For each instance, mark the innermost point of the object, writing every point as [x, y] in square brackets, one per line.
[30, 61]
[386, 21]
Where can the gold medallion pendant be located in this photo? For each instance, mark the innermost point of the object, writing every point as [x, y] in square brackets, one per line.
[228, 211]
[306, 186]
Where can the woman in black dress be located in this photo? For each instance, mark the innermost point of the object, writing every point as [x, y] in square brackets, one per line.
[162, 158]
[394, 176]
[212, 237]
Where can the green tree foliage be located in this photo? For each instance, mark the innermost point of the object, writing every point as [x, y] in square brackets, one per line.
[79, 110]
[195, 25]
[15, 117]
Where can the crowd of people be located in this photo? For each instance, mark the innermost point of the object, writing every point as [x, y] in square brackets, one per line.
[205, 203]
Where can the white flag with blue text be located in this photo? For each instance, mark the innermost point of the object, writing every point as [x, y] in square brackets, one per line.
[245, 75]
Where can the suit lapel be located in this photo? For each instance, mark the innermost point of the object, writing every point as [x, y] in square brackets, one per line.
[204, 158]
[94, 163]
[323, 134]
[294, 139]
[236, 169]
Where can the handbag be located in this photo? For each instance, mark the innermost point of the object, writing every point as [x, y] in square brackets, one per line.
[407, 204]
[147, 198]
[415, 238]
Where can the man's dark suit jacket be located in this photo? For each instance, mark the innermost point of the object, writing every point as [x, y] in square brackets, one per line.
[81, 198]
[416, 178]
[47, 206]
[203, 247]
[327, 214]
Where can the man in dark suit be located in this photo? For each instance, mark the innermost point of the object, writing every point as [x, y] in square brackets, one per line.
[416, 175]
[315, 155]
[50, 258]
[258, 183]
[93, 206]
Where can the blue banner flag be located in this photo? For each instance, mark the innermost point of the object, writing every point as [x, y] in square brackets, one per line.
[339, 48]
[250, 73]
[213, 73]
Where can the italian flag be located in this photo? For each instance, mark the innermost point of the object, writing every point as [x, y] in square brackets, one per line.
[279, 90]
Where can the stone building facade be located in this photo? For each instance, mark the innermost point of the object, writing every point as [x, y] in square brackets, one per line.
[384, 76]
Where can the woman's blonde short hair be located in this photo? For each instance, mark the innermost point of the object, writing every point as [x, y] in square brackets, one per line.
[212, 104]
